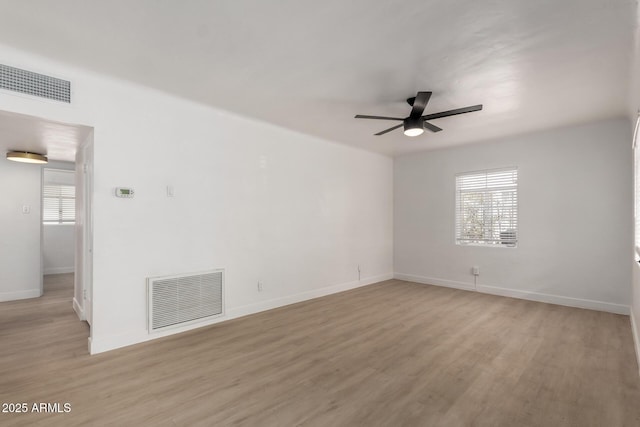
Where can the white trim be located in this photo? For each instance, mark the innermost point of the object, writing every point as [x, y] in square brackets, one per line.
[102, 344]
[521, 294]
[480, 171]
[634, 142]
[304, 296]
[17, 295]
[556, 299]
[78, 309]
[636, 339]
[434, 281]
[59, 270]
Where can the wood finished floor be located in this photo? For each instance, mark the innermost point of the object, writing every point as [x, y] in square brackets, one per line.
[390, 354]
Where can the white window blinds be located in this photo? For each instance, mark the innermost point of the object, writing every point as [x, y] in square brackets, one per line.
[487, 208]
[59, 204]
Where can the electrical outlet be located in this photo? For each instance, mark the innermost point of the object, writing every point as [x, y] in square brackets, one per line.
[475, 270]
[260, 287]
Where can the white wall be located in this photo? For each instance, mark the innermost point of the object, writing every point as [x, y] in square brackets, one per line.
[575, 221]
[20, 257]
[58, 240]
[264, 203]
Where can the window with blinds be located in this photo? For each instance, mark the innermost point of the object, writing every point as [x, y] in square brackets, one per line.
[487, 208]
[59, 204]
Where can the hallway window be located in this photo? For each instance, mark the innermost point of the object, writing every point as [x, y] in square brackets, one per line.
[59, 204]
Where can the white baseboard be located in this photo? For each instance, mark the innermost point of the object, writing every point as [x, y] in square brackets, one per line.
[102, 344]
[59, 270]
[521, 294]
[556, 299]
[434, 281]
[304, 296]
[79, 311]
[636, 339]
[16, 295]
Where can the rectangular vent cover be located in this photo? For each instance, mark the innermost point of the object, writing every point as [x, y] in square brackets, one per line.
[184, 299]
[35, 84]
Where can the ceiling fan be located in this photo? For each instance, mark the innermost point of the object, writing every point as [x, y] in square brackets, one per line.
[415, 123]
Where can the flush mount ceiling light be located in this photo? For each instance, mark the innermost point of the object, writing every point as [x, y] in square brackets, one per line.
[26, 157]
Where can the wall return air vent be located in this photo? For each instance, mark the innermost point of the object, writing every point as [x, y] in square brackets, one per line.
[30, 83]
[184, 299]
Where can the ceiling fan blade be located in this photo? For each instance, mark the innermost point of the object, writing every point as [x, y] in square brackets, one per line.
[419, 104]
[453, 112]
[360, 116]
[389, 130]
[432, 128]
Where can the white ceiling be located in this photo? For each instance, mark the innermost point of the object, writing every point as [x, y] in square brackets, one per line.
[312, 65]
[59, 141]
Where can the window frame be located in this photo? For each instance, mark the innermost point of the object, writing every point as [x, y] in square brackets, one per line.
[60, 220]
[636, 190]
[457, 220]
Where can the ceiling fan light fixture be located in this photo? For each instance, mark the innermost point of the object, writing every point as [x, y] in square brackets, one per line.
[413, 127]
[416, 122]
[26, 157]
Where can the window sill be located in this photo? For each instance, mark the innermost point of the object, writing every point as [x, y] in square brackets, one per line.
[481, 245]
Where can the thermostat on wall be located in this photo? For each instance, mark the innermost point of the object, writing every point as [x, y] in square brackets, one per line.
[124, 192]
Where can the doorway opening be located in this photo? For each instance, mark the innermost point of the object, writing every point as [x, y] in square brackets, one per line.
[46, 216]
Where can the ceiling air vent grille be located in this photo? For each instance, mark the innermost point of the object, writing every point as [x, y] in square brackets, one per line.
[35, 84]
[184, 299]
